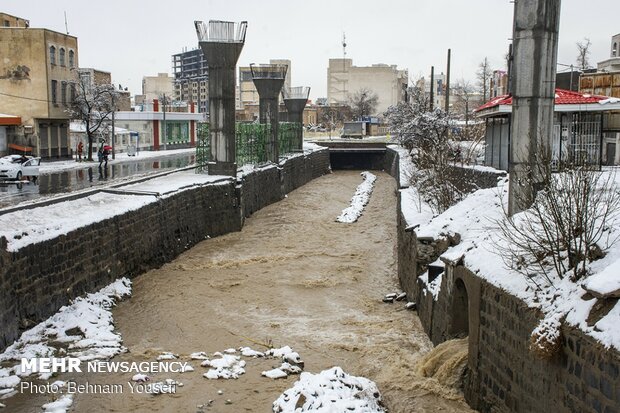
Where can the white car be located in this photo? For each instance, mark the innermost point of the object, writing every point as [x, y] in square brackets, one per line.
[17, 167]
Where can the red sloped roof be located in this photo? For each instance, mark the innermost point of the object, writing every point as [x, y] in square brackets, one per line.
[562, 97]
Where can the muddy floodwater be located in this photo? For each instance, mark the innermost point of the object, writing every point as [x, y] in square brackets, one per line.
[293, 276]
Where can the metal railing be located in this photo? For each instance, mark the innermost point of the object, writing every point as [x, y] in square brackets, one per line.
[268, 71]
[299, 92]
[218, 31]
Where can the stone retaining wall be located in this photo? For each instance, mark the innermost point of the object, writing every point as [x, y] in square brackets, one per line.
[503, 375]
[40, 278]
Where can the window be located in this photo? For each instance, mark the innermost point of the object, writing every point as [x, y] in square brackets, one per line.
[73, 93]
[63, 93]
[61, 56]
[54, 91]
[52, 55]
[7, 23]
[614, 51]
[71, 58]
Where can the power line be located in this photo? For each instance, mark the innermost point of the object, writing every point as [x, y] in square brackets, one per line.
[26, 98]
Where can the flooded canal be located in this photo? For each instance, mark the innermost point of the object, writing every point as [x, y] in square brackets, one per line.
[292, 277]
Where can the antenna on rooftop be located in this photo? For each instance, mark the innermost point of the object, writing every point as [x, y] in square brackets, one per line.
[66, 25]
[344, 45]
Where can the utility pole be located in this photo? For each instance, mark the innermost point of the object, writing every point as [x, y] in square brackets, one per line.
[165, 126]
[447, 101]
[432, 103]
[113, 133]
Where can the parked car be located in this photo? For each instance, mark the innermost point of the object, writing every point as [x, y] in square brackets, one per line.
[17, 167]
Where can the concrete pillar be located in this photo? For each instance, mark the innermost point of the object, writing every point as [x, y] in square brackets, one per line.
[268, 80]
[295, 100]
[222, 42]
[535, 45]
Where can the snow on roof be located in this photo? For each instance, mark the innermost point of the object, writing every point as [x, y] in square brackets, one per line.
[562, 97]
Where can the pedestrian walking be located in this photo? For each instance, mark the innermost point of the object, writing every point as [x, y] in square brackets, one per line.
[80, 149]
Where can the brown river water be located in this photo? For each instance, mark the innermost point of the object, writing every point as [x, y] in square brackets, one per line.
[293, 276]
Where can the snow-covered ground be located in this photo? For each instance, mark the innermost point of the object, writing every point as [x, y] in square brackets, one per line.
[475, 220]
[58, 166]
[359, 200]
[84, 329]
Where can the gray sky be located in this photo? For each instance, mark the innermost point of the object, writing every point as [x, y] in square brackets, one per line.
[135, 38]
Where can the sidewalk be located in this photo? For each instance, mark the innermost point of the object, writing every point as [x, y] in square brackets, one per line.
[48, 167]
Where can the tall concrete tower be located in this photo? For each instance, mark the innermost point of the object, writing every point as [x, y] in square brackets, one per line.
[295, 100]
[535, 48]
[221, 43]
[268, 80]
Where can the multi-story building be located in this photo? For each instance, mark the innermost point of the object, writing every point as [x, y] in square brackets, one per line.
[93, 77]
[191, 78]
[344, 79]
[439, 89]
[36, 70]
[498, 85]
[154, 87]
[6, 20]
[248, 95]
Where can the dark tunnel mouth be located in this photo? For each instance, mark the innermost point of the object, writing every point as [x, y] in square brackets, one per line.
[357, 160]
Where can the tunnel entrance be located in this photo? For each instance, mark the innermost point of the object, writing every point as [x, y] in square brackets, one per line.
[356, 160]
[355, 154]
[460, 311]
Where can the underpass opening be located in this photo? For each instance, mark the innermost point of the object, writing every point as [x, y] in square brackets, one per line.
[356, 160]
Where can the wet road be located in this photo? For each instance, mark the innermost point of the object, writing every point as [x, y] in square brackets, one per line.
[76, 179]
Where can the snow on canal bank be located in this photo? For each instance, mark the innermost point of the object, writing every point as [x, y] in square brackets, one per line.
[359, 200]
[84, 330]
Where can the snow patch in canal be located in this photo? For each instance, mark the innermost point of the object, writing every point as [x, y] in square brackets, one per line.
[359, 200]
[331, 390]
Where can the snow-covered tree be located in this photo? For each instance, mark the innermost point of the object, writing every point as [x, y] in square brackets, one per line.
[427, 135]
[92, 104]
[363, 102]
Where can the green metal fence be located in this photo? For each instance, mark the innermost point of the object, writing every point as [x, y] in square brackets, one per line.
[203, 147]
[287, 137]
[251, 140]
[251, 143]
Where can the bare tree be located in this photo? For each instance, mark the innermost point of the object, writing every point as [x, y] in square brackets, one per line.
[484, 75]
[567, 226]
[363, 102]
[583, 54]
[464, 94]
[93, 105]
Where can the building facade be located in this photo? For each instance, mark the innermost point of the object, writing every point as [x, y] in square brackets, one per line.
[191, 78]
[344, 79]
[36, 71]
[613, 63]
[153, 87]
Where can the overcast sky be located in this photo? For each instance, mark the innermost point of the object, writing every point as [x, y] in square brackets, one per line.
[133, 38]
